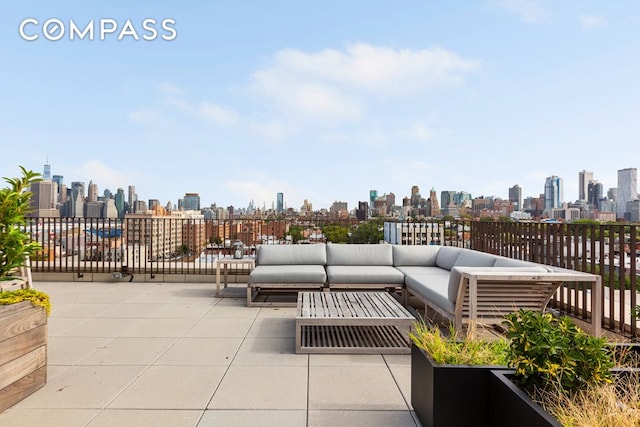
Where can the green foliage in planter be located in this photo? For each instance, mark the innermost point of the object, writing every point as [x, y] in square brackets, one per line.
[546, 351]
[36, 297]
[15, 242]
[459, 349]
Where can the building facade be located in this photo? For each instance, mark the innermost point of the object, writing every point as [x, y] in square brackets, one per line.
[553, 193]
[627, 189]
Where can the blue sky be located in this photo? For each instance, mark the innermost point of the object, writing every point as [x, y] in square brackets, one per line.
[324, 100]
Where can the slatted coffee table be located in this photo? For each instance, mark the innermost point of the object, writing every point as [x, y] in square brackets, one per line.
[352, 322]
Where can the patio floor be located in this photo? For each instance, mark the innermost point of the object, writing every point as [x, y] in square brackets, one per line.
[172, 354]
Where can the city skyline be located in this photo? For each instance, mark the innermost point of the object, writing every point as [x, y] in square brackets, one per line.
[279, 203]
[323, 101]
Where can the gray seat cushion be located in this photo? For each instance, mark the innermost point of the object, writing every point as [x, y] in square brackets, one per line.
[431, 286]
[379, 255]
[364, 274]
[291, 254]
[288, 274]
[415, 255]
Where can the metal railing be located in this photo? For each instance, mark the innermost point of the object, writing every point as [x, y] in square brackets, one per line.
[166, 245]
[610, 250]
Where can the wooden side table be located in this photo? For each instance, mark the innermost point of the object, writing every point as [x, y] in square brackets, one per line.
[225, 263]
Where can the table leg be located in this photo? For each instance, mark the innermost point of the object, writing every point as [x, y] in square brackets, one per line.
[217, 278]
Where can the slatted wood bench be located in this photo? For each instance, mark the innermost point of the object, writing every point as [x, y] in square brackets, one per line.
[352, 322]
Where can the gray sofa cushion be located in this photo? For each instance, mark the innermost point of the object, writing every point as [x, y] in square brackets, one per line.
[359, 255]
[510, 262]
[415, 255]
[431, 286]
[469, 258]
[291, 254]
[288, 274]
[456, 274]
[364, 274]
[447, 256]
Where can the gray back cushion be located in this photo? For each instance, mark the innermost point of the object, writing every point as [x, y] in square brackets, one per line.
[407, 255]
[469, 258]
[291, 254]
[379, 254]
[447, 256]
[510, 262]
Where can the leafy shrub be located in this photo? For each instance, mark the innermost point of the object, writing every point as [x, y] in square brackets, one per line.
[15, 243]
[546, 351]
[36, 297]
[451, 349]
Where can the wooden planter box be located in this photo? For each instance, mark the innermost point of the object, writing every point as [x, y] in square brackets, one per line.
[449, 395]
[509, 405]
[23, 351]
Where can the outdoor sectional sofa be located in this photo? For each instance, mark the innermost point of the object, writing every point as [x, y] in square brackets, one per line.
[460, 284]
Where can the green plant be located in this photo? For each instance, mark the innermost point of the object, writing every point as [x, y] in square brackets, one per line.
[459, 349]
[36, 297]
[15, 242]
[545, 351]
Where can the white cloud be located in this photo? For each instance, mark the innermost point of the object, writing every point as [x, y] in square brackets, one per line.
[105, 176]
[174, 105]
[272, 130]
[307, 98]
[217, 114]
[378, 69]
[333, 84]
[591, 22]
[145, 117]
[171, 89]
[530, 11]
[417, 131]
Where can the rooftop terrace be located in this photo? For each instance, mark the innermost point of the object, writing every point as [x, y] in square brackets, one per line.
[172, 354]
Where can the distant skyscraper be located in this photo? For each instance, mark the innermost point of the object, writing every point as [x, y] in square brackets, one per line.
[363, 211]
[43, 199]
[77, 189]
[415, 196]
[119, 199]
[109, 209]
[584, 178]
[434, 206]
[594, 193]
[191, 202]
[47, 171]
[92, 195]
[627, 189]
[515, 196]
[76, 204]
[446, 198]
[373, 195]
[553, 193]
[280, 203]
[132, 198]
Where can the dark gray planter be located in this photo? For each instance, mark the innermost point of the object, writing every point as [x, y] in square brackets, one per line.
[510, 406]
[449, 395]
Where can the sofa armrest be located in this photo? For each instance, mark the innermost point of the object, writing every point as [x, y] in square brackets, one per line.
[514, 283]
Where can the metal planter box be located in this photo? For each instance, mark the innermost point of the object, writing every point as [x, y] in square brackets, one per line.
[509, 405]
[449, 395]
[23, 351]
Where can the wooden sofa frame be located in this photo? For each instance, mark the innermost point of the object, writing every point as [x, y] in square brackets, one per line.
[486, 296]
